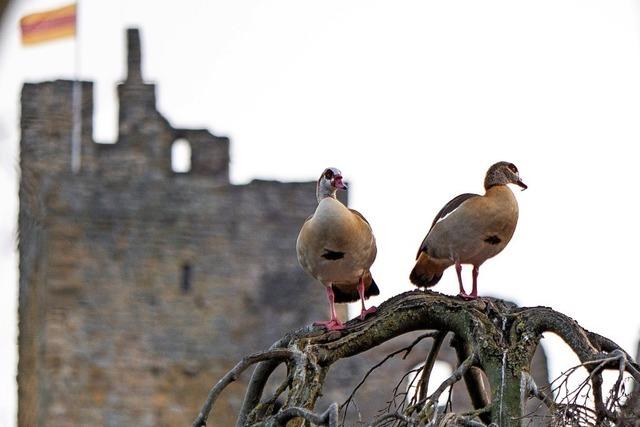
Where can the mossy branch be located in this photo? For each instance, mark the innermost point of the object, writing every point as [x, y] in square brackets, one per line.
[490, 336]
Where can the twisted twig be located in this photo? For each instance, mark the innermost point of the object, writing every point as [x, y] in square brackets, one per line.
[480, 343]
[423, 384]
[233, 374]
[328, 418]
[431, 403]
[345, 405]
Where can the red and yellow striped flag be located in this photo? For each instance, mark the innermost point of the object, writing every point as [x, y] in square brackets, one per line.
[49, 25]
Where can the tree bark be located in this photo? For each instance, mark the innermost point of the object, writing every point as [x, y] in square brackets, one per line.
[490, 336]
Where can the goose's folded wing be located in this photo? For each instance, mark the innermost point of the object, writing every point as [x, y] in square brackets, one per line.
[451, 206]
[358, 214]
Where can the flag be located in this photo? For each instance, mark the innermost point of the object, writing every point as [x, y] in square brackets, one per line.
[49, 25]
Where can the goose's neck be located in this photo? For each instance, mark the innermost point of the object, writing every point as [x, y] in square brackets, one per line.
[323, 192]
[499, 190]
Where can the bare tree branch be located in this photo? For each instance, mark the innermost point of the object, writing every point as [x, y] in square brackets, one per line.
[430, 404]
[345, 405]
[232, 375]
[423, 384]
[328, 418]
[255, 388]
[264, 369]
[381, 421]
[473, 380]
[490, 337]
[533, 390]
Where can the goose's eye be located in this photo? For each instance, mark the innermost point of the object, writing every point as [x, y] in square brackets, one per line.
[512, 168]
[328, 174]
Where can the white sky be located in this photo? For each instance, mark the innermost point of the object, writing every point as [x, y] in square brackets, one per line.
[412, 100]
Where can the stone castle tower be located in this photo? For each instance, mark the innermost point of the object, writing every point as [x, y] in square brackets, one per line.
[140, 287]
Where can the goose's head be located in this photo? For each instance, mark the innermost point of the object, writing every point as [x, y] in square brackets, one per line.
[329, 183]
[503, 173]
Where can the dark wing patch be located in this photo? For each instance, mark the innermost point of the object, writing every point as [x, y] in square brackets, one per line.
[446, 210]
[452, 206]
[332, 255]
[493, 240]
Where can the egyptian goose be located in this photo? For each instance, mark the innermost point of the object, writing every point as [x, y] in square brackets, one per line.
[336, 246]
[470, 229]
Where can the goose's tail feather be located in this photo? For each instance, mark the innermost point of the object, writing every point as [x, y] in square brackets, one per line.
[350, 293]
[428, 271]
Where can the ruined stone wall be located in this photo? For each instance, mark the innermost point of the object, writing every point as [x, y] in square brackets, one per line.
[156, 291]
[139, 286]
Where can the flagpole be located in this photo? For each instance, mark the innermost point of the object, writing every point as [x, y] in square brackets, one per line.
[76, 130]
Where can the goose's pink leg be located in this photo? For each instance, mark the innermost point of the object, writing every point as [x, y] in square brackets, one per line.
[474, 274]
[462, 293]
[334, 324]
[364, 312]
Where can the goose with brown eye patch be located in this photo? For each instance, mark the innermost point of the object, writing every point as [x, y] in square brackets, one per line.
[470, 229]
[336, 246]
